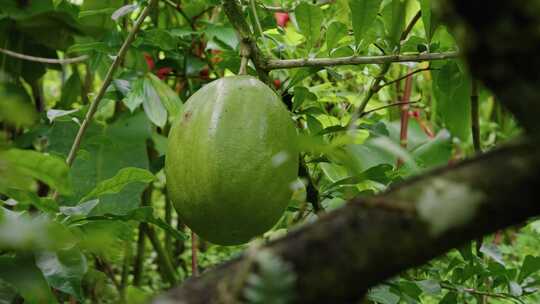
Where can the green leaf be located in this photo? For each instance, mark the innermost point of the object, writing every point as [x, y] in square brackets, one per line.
[383, 294]
[135, 97]
[452, 89]
[152, 105]
[49, 169]
[82, 209]
[425, 7]
[363, 15]
[431, 287]
[16, 106]
[531, 265]
[116, 183]
[22, 273]
[450, 298]
[167, 96]
[335, 32]
[436, 152]
[71, 91]
[64, 270]
[104, 151]
[87, 47]
[398, 22]
[492, 251]
[159, 38]
[309, 18]
[142, 214]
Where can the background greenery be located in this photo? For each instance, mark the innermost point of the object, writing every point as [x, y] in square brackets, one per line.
[111, 235]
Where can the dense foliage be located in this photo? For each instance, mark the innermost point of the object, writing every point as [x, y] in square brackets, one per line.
[101, 228]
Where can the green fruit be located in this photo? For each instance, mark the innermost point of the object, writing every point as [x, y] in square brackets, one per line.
[231, 159]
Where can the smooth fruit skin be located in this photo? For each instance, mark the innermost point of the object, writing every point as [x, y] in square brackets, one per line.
[231, 160]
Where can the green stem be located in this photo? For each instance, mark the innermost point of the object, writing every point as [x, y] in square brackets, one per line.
[167, 270]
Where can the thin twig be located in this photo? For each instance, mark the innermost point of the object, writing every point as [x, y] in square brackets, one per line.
[481, 293]
[44, 60]
[181, 11]
[106, 82]
[411, 25]
[399, 103]
[405, 76]
[388, 59]
[355, 60]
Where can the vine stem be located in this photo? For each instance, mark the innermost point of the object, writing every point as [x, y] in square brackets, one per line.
[42, 59]
[107, 81]
[194, 262]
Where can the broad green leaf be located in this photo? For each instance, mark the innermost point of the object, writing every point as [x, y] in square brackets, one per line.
[309, 18]
[135, 97]
[104, 151]
[82, 209]
[167, 96]
[225, 34]
[159, 38]
[152, 105]
[452, 89]
[335, 32]
[302, 94]
[71, 91]
[44, 204]
[49, 169]
[429, 286]
[123, 11]
[363, 15]
[53, 114]
[142, 214]
[398, 22]
[116, 183]
[383, 294]
[425, 7]
[451, 297]
[531, 265]
[22, 273]
[435, 152]
[20, 231]
[492, 251]
[16, 106]
[64, 270]
[87, 47]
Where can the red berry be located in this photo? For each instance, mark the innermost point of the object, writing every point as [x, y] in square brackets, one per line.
[163, 72]
[281, 18]
[149, 61]
[277, 83]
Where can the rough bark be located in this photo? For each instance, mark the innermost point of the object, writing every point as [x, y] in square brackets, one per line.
[339, 257]
[376, 238]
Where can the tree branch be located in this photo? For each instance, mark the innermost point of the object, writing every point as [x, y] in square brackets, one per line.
[236, 17]
[354, 60]
[376, 238]
[106, 82]
[44, 60]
